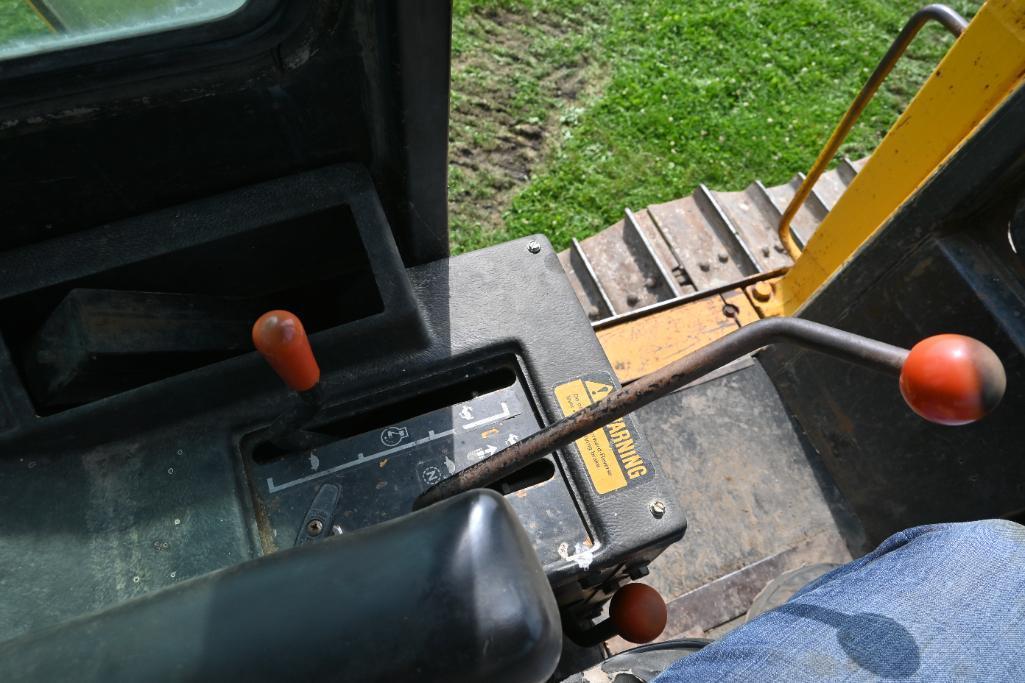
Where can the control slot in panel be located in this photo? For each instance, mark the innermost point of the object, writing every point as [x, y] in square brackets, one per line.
[378, 459]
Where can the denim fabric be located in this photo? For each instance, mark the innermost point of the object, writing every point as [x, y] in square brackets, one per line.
[944, 602]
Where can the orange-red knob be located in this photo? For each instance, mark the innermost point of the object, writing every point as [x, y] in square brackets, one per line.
[951, 379]
[279, 336]
[638, 612]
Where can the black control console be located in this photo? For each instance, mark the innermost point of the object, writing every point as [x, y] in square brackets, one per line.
[169, 479]
[162, 192]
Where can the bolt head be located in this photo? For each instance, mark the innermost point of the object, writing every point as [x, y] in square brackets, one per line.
[534, 247]
[762, 291]
[658, 509]
[315, 527]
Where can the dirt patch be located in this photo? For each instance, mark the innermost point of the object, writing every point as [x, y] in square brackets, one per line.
[513, 78]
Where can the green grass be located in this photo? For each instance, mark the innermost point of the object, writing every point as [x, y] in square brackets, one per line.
[516, 69]
[18, 21]
[564, 112]
[718, 91]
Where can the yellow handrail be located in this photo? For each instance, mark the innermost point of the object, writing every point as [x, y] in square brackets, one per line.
[952, 21]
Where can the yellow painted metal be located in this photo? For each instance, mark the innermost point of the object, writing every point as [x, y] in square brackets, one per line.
[980, 70]
[940, 13]
[743, 312]
[762, 296]
[643, 345]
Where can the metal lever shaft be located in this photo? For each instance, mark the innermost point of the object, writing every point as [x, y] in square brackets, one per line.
[852, 347]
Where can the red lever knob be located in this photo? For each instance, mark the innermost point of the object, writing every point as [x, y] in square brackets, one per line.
[638, 612]
[279, 336]
[951, 379]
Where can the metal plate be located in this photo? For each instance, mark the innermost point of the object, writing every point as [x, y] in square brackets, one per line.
[151, 490]
[380, 472]
[752, 490]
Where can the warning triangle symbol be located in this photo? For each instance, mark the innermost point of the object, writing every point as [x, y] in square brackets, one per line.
[598, 390]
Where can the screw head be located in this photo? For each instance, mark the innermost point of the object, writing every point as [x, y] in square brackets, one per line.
[534, 247]
[730, 311]
[315, 527]
[658, 509]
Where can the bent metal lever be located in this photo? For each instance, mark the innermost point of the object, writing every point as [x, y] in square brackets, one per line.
[948, 379]
[280, 338]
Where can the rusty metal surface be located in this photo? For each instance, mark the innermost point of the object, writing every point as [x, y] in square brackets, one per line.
[806, 220]
[846, 169]
[681, 372]
[830, 187]
[706, 242]
[665, 252]
[696, 243]
[759, 194]
[625, 268]
[751, 216]
[584, 286]
[658, 252]
[729, 237]
[814, 199]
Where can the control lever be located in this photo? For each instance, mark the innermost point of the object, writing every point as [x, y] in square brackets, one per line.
[280, 338]
[951, 379]
[948, 379]
[637, 614]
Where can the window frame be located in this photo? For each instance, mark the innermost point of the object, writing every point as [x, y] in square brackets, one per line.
[253, 26]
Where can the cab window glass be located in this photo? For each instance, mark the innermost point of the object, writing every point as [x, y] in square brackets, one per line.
[31, 26]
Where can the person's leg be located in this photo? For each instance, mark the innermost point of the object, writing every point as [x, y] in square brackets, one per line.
[938, 603]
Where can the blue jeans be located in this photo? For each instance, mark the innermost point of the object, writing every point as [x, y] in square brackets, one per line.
[944, 602]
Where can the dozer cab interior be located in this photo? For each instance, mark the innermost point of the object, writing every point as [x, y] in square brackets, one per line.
[255, 422]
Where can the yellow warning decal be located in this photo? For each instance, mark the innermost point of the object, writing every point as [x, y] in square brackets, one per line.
[598, 390]
[610, 454]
